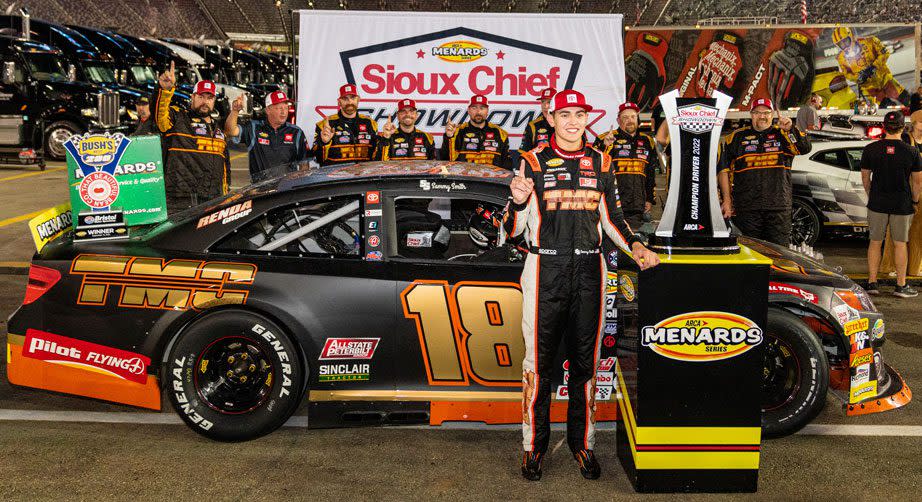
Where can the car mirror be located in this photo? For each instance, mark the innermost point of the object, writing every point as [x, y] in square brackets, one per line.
[9, 72]
[71, 73]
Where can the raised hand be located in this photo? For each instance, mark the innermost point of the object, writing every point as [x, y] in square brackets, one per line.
[389, 129]
[521, 186]
[785, 123]
[237, 105]
[326, 132]
[450, 129]
[168, 78]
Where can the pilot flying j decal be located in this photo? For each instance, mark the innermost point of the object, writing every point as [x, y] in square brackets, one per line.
[85, 355]
[155, 283]
[702, 336]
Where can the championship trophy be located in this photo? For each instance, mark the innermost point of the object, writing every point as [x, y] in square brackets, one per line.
[689, 345]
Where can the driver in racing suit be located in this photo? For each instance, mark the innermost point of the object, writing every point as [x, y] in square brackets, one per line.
[864, 61]
[564, 196]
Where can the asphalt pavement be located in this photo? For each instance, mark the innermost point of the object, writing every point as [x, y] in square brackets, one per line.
[68, 454]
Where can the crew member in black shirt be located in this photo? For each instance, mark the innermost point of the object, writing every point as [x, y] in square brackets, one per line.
[272, 142]
[891, 171]
[404, 141]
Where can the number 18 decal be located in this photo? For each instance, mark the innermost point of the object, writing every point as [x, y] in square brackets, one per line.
[472, 331]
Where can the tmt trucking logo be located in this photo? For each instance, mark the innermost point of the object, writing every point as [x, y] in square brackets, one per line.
[702, 336]
[97, 156]
[442, 70]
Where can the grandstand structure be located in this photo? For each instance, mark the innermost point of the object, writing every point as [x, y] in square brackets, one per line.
[269, 21]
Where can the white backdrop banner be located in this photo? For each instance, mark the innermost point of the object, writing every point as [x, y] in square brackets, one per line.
[442, 59]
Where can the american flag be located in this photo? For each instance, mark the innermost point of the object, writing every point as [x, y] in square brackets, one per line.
[803, 11]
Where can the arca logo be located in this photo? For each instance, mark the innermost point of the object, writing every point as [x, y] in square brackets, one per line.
[702, 336]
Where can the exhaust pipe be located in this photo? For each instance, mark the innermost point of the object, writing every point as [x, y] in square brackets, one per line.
[26, 23]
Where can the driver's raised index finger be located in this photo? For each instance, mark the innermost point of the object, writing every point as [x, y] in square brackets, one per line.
[172, 68]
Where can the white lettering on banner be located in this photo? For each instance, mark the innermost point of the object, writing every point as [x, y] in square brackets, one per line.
[431, 58]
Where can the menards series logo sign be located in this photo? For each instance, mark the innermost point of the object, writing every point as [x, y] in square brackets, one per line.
[155, 283]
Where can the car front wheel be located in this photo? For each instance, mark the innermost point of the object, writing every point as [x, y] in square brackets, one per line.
[805, 223]
[234, 375]
[795, 375]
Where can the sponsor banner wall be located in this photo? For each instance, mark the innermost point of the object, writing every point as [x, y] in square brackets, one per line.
[442, 59]
[784, 63]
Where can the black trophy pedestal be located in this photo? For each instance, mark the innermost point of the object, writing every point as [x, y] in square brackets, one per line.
[689, 362]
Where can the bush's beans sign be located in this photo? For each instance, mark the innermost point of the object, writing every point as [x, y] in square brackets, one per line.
[441, 60]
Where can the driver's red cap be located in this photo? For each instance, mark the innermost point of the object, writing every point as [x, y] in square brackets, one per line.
[569, 98]
[205, 87]
[347, 90]
[763, 102]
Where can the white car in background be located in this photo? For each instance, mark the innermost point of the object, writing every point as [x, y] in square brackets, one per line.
[828, 196]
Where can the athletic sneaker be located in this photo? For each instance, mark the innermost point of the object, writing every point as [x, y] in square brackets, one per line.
[905, 291]
[588, 466]
[873, 288]
[531, 465]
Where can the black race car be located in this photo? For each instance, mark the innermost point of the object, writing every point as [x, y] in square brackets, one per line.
[378, 293]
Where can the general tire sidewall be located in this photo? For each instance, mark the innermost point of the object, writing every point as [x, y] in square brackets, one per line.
[270, 414]
[814, 375]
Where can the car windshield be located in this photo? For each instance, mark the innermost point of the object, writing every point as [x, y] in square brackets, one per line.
[144, 74]
[45, 66]
[99, 74]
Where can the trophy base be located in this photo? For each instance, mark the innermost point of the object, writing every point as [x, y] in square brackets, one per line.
[684, 245]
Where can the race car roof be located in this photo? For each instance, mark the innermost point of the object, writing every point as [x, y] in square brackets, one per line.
[395, 168]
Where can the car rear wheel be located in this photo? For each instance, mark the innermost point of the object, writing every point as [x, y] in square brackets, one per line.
[805, 223]
[795, 375]
[234, 375]
[56, 135]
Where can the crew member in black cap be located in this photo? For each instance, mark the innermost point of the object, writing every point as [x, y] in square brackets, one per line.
[145, 123]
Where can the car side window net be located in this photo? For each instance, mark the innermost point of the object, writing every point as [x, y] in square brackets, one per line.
[323, 228]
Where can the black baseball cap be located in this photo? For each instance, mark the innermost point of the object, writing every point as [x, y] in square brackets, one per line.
[143, 100]
[894, 119]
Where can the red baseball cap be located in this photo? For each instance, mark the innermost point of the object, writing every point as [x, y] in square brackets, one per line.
[479, 99]
[570, 98]
[627, 105]
[547, 94]
[348, 90]
[763, 102]
[205, 87]
[274, 98]
[406, 103]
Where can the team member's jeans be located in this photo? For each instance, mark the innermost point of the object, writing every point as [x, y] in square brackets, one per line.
[562, 300]
[772, 226]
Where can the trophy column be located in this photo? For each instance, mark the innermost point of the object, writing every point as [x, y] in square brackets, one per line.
[689, 350]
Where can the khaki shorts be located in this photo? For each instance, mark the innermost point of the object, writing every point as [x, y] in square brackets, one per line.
[899, 226]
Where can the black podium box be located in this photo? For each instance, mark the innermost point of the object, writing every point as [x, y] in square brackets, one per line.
[689, 363]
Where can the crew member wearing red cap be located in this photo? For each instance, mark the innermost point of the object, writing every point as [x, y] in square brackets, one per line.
[275, 145]
[404, 141]
[634, 162]
[563, 199]
[476, 140]
[347, 136]
[538, 131]
[196, 163]
[759, 158]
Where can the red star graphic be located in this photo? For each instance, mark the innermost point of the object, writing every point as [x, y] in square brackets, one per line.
[420, 54]
[500, 54]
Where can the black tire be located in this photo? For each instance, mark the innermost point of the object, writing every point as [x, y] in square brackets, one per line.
[806, 224]
[234, 375]
[55, 135]
[795, 375]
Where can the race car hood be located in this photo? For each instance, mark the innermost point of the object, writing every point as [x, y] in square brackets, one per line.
[795, 267]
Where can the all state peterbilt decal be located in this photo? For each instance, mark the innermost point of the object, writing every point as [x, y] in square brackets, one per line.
[702, 336]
